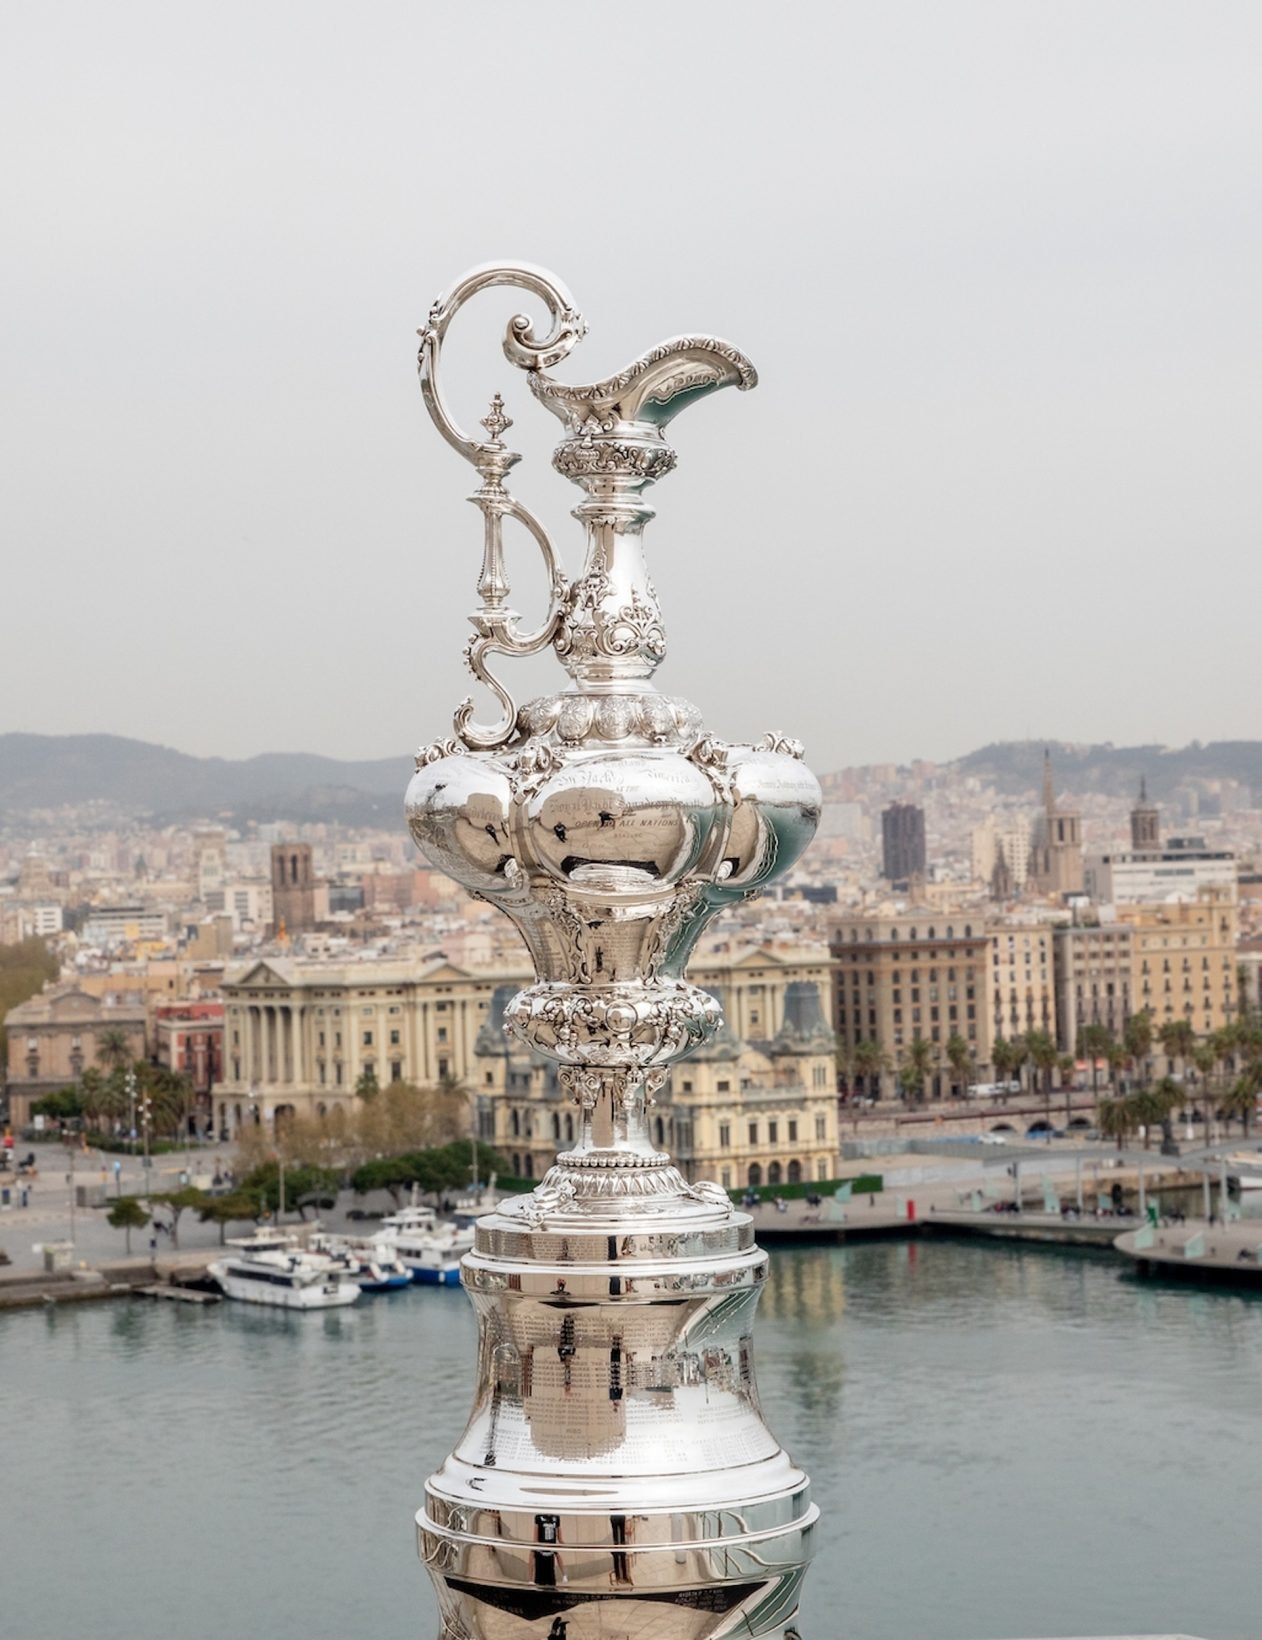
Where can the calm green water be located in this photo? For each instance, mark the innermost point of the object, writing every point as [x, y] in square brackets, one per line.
[1004, 1443]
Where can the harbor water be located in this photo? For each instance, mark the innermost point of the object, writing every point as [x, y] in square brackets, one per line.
[1004, 1442]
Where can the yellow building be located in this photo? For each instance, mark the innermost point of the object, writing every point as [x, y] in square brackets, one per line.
[1094, 980]
[754, 1115]
[1183, 960]
[299, 1036]
[732, 1111]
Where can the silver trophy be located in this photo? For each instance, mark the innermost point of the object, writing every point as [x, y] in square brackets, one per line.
[616, 1478]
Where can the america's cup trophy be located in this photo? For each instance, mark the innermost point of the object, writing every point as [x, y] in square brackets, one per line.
[616, 1477]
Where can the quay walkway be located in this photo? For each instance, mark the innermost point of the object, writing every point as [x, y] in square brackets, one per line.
[1197, 1251]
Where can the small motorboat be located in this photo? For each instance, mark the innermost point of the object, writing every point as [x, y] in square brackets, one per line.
[369, 1261]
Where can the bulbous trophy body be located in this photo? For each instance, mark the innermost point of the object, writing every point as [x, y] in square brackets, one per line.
[616, 1478]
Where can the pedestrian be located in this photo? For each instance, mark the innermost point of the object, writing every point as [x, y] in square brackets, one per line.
[25, 1194]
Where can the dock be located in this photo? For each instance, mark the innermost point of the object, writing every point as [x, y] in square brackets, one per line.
[182, 1278]
[1052, 1229]
[30, 1292]
[178, 1295]
[1197, 1251]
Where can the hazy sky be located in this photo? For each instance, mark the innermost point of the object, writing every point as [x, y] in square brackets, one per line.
[999, 266]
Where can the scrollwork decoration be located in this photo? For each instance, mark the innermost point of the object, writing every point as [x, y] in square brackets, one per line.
[495, 625]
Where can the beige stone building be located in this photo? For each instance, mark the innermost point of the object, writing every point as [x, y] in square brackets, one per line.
[299, 1035]
[1183, 960]
[765, 1115]
[1022, 991]
[922, 973]
[53, 1039]
[733, 1112]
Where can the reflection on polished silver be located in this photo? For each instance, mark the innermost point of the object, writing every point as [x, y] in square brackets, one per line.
[616, 1478]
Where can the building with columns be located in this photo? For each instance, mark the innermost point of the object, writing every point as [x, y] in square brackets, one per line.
[299, 1035]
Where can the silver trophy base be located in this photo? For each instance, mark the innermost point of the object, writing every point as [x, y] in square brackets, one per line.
[616, 1480]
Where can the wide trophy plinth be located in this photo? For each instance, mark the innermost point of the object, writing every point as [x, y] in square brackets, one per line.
[616, 1478]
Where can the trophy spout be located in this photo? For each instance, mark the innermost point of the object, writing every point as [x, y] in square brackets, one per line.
[651, 392]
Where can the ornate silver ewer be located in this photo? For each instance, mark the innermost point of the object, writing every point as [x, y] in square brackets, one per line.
[616, 1478]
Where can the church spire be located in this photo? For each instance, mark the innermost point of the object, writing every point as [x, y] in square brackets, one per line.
[1049, 789]
[1145, 822]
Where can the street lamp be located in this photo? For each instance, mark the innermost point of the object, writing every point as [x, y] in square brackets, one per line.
[131, 1108]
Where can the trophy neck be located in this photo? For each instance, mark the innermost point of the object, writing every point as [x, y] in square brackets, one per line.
[611, 632]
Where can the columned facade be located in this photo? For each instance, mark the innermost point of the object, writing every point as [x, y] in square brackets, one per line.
[302, 1036]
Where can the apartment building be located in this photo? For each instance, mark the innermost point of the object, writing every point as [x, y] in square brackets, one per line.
[1183, 960]
[1094, 976]
[1022, 991]
[921, 974]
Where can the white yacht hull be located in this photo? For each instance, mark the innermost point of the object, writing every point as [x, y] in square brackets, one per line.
[252, 1289]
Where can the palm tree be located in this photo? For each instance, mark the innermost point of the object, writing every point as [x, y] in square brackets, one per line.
[960, 1058]
[1152, 1106]
[1137, 1040]
[1094, 1041]
[1205, 1061]
[1177, 1040]
[917, 1063]
[1227, 1042]
[1241, 1098]
[113, 1048]
[1020, 1047]
[1116, 1119]
[92, 1095]
[1003, 1058]
[870, 1061]
[1115, 1057]
[1041, 1049]
[843, 1056]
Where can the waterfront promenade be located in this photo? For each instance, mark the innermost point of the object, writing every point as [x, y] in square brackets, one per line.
[963, 1191]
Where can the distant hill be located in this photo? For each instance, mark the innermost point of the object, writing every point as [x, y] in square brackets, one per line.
[133, 776]
[1016, 766]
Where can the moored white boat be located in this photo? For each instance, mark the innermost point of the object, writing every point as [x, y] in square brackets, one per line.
[433, 1255]
[283, 1277]
[1246, 1169]
[370, 1261]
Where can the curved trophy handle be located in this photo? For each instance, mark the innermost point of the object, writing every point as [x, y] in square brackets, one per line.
[495, 625]
[521, 346]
